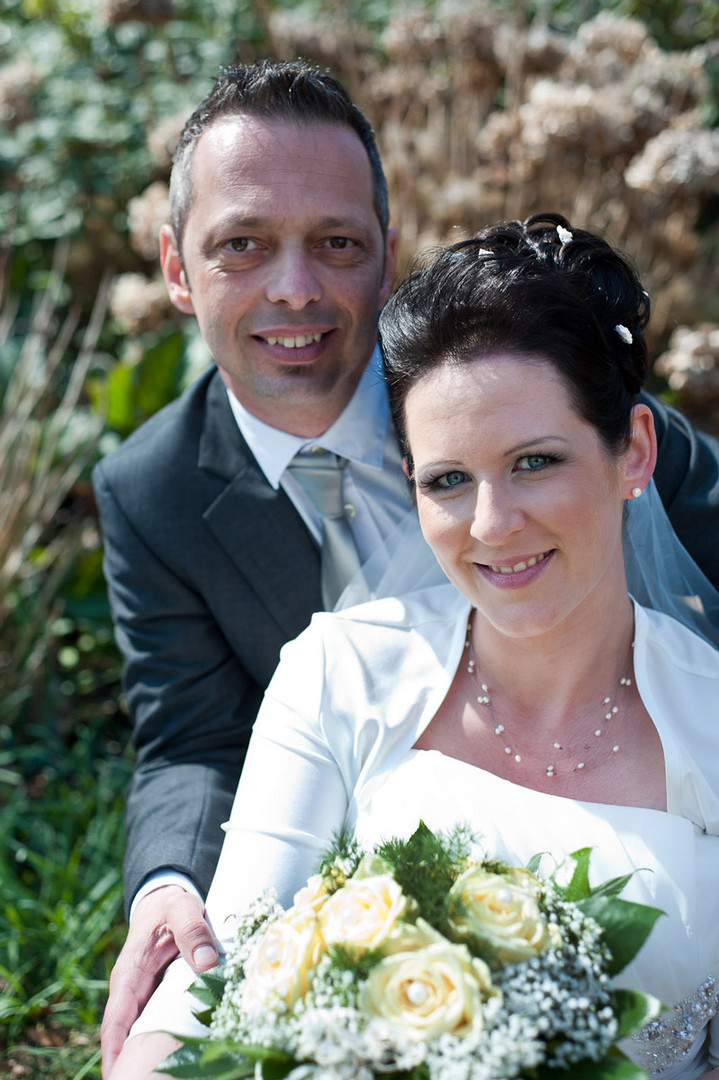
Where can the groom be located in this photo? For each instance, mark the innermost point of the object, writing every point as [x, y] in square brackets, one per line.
[279, 245]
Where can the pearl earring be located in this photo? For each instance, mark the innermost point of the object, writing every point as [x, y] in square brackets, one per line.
[636, 492]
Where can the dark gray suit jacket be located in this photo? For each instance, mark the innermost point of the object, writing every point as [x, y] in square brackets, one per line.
[210, 571]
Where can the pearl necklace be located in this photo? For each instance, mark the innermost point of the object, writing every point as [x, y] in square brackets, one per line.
[500, 731]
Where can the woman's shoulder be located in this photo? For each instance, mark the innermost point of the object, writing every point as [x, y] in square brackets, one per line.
[380, 636]
[433, 605]
[667, 642]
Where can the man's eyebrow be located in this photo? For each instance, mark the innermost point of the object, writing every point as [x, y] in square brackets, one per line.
[237, 222]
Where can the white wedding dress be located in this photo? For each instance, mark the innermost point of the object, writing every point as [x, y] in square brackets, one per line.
[333, 744]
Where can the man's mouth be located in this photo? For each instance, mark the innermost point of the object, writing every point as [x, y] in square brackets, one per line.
[517, 568]
[298, 341]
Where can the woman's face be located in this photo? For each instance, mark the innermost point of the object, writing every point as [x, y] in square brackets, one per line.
[516, 494]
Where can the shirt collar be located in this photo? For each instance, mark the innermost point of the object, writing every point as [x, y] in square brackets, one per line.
[357, 434]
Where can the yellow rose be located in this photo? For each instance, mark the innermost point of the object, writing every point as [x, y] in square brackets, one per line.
[362, 913]
[407, 936]
[501, 910]
[283, 959]
[371, 865]
[436, 989]
[313, 894]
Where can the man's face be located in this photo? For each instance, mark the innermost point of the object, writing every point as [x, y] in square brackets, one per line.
[284, 264]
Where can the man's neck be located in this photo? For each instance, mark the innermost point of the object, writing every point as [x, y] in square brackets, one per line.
[306, 421]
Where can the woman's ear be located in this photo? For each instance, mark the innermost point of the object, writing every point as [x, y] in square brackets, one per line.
[641, 457]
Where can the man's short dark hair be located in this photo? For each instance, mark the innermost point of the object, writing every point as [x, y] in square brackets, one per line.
[292, 92]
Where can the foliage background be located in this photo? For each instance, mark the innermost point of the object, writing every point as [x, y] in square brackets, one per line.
[483, 109]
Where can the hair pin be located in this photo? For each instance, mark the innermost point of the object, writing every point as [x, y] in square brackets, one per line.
[624, 334]
[564, 234]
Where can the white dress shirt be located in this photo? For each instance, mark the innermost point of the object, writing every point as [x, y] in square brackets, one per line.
[374, 488]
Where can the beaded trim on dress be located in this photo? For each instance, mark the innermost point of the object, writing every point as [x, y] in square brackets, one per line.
[668, 1039]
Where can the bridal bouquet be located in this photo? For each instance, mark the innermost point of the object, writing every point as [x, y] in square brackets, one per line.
[416, 959]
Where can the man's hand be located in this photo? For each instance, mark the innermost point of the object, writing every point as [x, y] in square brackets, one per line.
[165, 922]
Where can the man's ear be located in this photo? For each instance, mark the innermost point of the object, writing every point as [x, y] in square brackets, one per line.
[390, 264]
[641, 457]
[173, 272]
[405, 467]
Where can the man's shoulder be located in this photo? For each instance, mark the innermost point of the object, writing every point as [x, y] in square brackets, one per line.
[159, 465]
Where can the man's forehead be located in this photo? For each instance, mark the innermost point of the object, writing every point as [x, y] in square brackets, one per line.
[242, 132]
[253, 166]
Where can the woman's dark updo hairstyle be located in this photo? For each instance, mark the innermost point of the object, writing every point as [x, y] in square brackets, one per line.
[539, 289]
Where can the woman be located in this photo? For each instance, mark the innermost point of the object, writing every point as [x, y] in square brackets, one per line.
[531, 696]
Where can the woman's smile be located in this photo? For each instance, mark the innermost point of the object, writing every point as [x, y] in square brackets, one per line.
[515, 575]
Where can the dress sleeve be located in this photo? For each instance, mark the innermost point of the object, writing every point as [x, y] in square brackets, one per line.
[291, 800]
[293, 796]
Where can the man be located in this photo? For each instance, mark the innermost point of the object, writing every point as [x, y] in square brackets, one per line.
[280, 246]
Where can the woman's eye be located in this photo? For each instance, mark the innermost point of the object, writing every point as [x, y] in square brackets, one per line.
[534, 462]
[450, 479]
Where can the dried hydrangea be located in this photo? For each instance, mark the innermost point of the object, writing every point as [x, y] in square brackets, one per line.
[138, 303]
[147, 213]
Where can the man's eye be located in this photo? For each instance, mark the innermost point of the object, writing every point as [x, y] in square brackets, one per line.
[339, 243]
[241, 243]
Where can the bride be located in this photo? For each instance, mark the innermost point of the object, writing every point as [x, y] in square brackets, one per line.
[530, 696]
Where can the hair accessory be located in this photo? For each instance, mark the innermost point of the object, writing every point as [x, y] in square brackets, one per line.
[636, 492]
[624, 334]
[485, 251]
[564, 234]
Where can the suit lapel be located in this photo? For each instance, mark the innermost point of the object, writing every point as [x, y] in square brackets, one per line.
[257, 526]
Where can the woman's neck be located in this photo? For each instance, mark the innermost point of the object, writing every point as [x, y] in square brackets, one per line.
[549, 679]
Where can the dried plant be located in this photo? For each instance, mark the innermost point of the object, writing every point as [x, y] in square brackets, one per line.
[46, 440]
[480, 117]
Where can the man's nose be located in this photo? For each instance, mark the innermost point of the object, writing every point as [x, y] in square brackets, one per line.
[293, 280]
[496, 514]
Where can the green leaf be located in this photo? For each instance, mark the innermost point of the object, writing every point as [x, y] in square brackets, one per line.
[626, 926]
[208, 1059]
[613, 886]
[615, 1066]
[534, 863]
[633, 1010]
[158, 373]
[184, 1062]
[576, 868]
[209, 988]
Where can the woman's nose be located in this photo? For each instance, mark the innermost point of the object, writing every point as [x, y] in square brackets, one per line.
[496, 515]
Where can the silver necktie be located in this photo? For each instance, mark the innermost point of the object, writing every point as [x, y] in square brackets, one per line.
[320, 474]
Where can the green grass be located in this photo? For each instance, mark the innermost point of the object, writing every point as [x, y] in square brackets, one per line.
[61, 921]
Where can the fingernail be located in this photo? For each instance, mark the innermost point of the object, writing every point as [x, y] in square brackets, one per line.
[204, 956]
